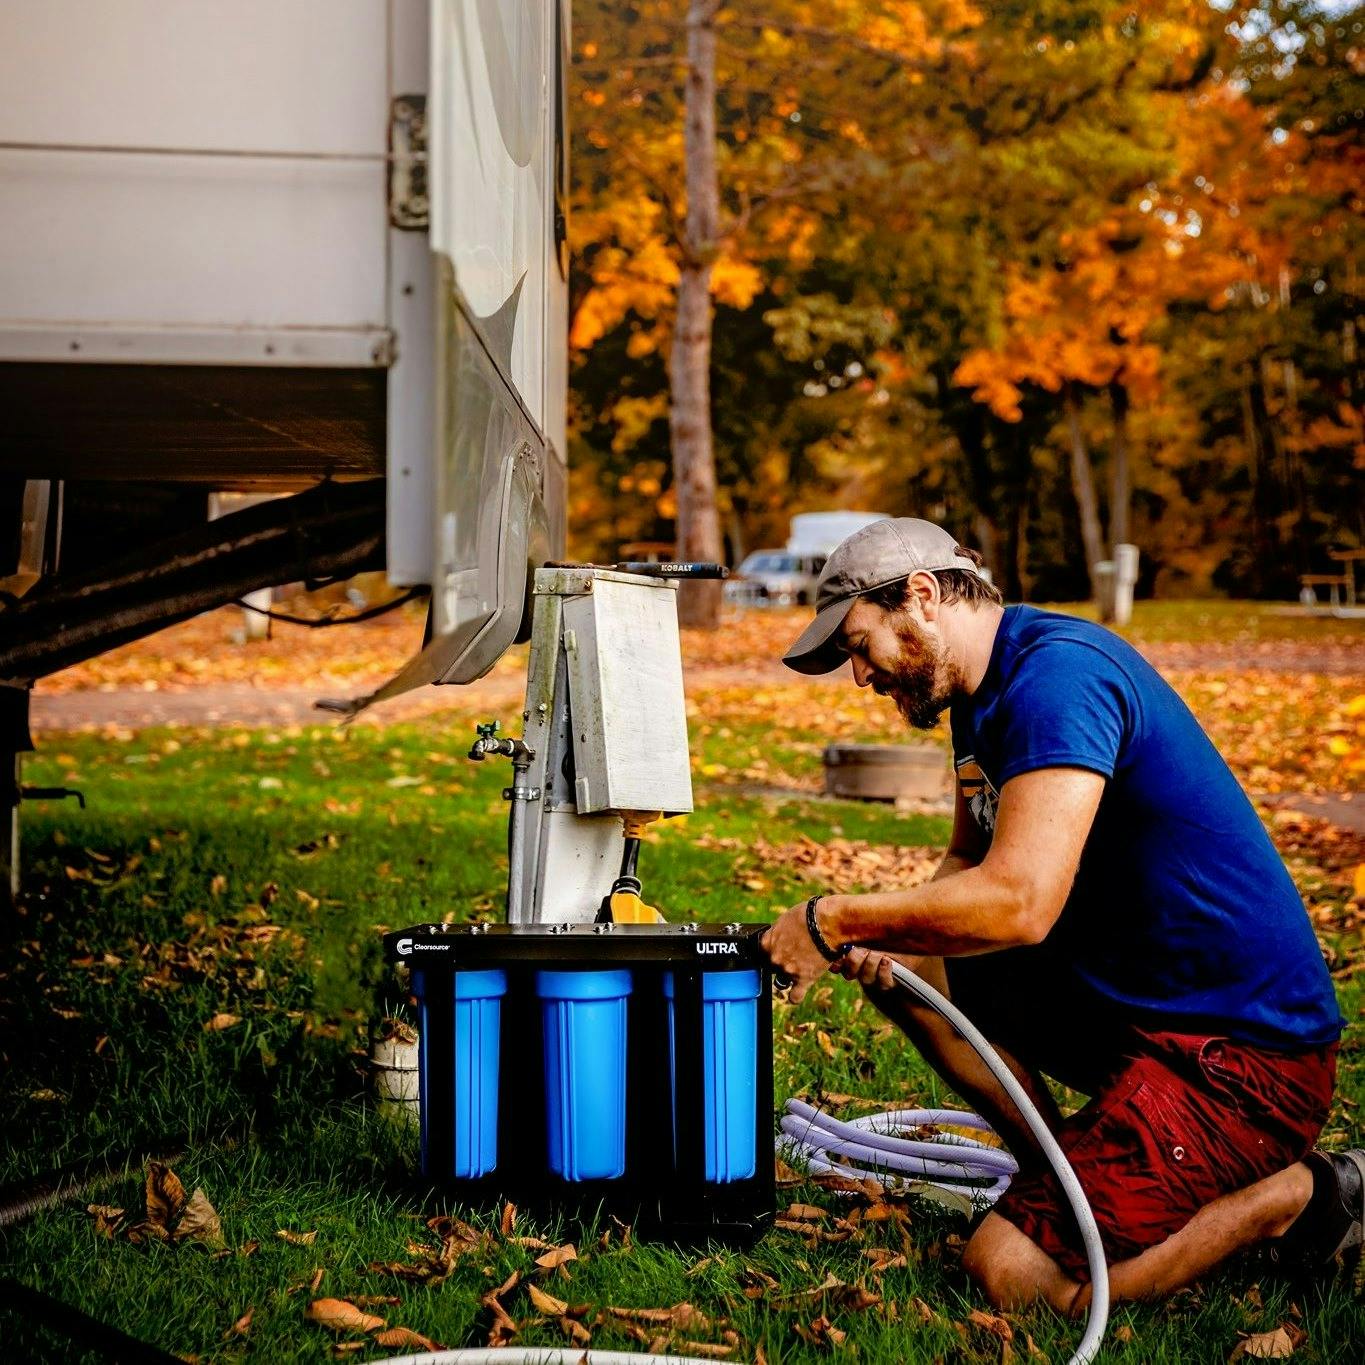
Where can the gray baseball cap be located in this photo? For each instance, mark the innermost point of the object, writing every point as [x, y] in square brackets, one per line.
[882, 553]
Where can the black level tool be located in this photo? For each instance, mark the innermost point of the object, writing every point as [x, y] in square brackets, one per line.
[673, 570]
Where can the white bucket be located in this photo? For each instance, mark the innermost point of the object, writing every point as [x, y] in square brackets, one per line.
[393, 1071]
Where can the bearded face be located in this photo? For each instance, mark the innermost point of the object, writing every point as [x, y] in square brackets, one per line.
[918, 680]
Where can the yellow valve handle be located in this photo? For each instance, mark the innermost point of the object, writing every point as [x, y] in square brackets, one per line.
[628, 908]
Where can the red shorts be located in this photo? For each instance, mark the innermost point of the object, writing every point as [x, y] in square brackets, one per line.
[1182, 1119]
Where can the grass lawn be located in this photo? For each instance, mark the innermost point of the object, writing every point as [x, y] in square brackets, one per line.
[240, 879]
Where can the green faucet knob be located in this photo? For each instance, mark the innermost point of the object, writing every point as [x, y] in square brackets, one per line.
[488, 730]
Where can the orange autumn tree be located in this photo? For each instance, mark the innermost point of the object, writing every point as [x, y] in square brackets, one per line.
[711, 139]
[1090, 322]
[1194, 302]
[1084, 306]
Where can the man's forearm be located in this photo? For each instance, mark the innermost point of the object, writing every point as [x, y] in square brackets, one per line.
[956, 914]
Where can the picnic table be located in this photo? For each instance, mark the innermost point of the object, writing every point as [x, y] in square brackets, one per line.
[1336, 583]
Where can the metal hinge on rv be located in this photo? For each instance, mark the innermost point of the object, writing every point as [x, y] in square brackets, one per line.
[409, 202]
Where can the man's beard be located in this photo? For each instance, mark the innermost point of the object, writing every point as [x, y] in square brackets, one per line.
[917, 685]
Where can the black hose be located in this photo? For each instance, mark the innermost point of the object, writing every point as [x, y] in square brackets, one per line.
[25, 1198]
[321, 622]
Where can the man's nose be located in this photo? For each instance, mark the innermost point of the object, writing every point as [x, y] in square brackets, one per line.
[862, 670]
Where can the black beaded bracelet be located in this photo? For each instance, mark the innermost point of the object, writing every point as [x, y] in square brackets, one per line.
[816, 937]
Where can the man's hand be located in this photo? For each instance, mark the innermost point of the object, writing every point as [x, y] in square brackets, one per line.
[789, 945]
[872, 969]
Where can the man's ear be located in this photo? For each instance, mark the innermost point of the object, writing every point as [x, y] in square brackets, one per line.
[924, 592]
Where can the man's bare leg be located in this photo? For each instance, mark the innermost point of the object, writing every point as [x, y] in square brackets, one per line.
[957, 1063]
[1014, 1271]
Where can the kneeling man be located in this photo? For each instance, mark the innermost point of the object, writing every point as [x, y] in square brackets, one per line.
[1111, 913]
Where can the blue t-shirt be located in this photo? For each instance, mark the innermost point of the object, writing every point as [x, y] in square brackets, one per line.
[1182, 916]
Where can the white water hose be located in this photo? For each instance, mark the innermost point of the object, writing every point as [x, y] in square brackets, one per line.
[986, 1170]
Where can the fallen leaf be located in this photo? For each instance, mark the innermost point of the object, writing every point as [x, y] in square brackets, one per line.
[405, 1336]
[883, 1258]
[994, 1323]
[504, 1325]
[821, 1332]
[338, 1315]
[1276, 1345]
[885, 1213]
[547, 1303]
[165, 1196]
[241, 1327]
[756, 1283]
[681, 1317]
[297, 1239]
[575, 1331]
[199, 1222]
[219, 1022]
[557, 1256]
[797, 1225]
[509, 1219]
[804, 1211]
[107, 1219]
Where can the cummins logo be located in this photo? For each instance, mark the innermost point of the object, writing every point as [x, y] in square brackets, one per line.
[709, 946]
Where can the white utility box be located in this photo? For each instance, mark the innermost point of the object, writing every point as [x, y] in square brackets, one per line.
[626, 697]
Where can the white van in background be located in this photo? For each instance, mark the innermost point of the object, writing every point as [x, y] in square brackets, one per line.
[817, 533]
[785, 578]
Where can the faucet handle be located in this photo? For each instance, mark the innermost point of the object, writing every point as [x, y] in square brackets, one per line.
[487, 730]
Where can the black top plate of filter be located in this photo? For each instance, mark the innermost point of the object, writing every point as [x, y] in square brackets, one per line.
[717, 947]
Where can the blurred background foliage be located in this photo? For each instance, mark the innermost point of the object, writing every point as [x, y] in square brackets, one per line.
[973, 257]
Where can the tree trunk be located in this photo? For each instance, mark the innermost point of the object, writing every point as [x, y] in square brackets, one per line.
[1083, 485]
[1261, 512]
[694, 461]
[1121, 485]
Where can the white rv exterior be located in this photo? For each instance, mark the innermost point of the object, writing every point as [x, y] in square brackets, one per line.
[231, 256]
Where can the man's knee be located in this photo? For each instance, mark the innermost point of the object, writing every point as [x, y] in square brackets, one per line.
[1013, 1271]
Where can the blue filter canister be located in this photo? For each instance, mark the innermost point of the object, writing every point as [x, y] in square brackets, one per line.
[729, 1071]
[477, 1009]
[584, 1017]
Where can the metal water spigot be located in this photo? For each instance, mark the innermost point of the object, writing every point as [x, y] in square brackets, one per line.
[488, 743]
[520, 795]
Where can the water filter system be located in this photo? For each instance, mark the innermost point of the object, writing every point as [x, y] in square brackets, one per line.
[625, 1067]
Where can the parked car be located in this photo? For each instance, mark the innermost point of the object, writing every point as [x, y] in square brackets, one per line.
[775, 578]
